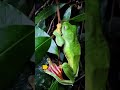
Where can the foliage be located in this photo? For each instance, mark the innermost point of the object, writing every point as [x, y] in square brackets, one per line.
[16, 36]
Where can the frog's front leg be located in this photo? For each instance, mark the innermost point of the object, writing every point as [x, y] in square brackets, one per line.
[59, 39]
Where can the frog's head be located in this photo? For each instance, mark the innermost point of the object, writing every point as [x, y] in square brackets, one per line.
[68, 30]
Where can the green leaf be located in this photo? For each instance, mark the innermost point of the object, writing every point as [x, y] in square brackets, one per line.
[54, 86]
[22, 5]
[42, 41]
[42, 45]
[67, 14]
[42, 25]
[45, 13]
[78, 18]
[16, 48]
[53, 47]
[12, 16]
[40, 33]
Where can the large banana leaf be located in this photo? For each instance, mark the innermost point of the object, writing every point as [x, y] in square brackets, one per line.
[16, 48]
[16, 43]
[12, 16]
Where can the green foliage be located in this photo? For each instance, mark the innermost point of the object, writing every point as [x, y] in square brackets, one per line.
[16, 39]
[40, 44]
[14, 51]
[16, 18]
[23, 5]
[43, 41]
[46, 12]
[54, 86]
[78, 18]
[42, 25]
[67, 14]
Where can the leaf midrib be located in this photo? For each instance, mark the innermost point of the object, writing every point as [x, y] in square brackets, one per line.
[42, 43]
[14, 44]
[44, 14]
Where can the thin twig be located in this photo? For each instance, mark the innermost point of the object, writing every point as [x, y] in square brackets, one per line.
[32, 12]
[41, 7]
[80, 77]
[51, 24]
[52, 2]
[52, 29]
[58, 12]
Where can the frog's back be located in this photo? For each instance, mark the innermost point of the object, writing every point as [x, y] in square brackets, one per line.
[71, 46]
[72, 52]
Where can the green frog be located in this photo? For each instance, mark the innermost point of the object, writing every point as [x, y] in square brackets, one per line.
[66, 36]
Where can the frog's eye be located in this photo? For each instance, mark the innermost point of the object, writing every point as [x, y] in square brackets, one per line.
[64, 27]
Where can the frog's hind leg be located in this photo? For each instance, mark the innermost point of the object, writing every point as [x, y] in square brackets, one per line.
[68, 71]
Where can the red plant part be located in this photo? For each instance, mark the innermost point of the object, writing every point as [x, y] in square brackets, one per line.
[57, 70]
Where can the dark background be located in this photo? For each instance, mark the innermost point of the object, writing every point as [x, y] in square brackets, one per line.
[111, 22]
